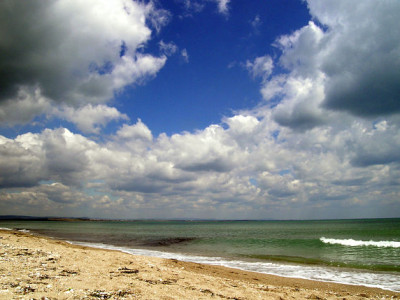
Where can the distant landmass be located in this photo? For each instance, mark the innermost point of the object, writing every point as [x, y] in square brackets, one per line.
[32, 218]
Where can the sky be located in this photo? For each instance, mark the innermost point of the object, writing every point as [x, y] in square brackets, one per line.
[200, 109]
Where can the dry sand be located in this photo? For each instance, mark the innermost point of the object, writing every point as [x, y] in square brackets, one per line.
[36, 267]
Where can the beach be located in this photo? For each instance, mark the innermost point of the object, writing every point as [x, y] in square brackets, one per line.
[37, 267]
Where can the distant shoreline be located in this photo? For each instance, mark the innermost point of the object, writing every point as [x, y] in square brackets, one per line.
[72, 219]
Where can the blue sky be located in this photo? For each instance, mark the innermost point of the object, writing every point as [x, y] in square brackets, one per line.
[214, 82]
[200, 109]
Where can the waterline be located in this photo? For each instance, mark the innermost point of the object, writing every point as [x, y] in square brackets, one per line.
[383, 280]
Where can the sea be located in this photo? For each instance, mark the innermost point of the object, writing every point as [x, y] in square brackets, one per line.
[358, 252]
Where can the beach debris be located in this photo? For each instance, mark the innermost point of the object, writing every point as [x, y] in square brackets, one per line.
[51, 258]
[39, 276]
[125, 270]
[122, 293]
[25, 289]
[66, 272]
[101, 294]
[13, 285]
[207, 291]
[24, 252]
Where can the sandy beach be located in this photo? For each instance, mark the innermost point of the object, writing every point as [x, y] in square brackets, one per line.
[36, 267]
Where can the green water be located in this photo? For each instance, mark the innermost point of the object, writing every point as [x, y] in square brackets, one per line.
[282, 241]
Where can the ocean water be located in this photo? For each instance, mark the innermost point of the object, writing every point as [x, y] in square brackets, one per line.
[361, 252]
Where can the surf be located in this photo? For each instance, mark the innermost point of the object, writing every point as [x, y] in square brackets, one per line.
[360, 243]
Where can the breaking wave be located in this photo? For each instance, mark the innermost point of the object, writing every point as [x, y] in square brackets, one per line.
[357, 243]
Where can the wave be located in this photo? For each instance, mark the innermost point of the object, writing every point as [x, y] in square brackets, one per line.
[386, 281]
[358, 243]
[17, 229]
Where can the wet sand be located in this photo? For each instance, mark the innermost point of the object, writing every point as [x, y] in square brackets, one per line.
[36, 267]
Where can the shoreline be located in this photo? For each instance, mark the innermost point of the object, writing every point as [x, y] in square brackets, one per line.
[35, 266]
[255, 266]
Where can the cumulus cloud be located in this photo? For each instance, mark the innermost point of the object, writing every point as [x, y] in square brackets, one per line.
[60, 193]
[261, 67]
[245, 164]
[378, 146]
[28, 103]
[363, 80]
[295, 155]
[21, 166]
[300, 107]
[47, 53]
[137, 137]
[89, 118]
[56, 155]
[205, 151]
[65, 155]
[134, 132]
[353, 59]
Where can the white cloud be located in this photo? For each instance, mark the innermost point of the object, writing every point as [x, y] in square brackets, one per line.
[132, 70]
[21, 161]
[168, 48]
[357, 53]
[299, 108]
[292, 156]
[157, 17]
[137, 137]
[245, 130]
[251, 165]
[223, 6]
[192, 7]
[49, 48]
[89, 118]
[301, 50]
[261, 67]
[207, 150]
[256, 23]
[351, 65]
[240, 124]
[185, 55]
[28, 103]
[134, 132]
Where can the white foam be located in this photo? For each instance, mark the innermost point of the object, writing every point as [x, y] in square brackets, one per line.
[383, 280]
[358, 243]
[20, 230]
